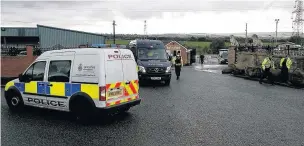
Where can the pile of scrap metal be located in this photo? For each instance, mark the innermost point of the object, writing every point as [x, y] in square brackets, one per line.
[245, 61]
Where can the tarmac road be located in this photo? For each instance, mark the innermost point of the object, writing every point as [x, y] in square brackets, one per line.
[200, 109]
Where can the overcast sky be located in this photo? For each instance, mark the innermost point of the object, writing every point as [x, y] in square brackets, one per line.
[163, 16]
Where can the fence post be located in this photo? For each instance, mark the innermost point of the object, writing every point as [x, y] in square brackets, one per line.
[288, 49]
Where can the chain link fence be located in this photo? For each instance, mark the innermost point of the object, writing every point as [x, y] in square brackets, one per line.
[272, 50]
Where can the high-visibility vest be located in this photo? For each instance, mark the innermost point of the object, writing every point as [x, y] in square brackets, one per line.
[267, 63]
[174, 58]
[288, 62]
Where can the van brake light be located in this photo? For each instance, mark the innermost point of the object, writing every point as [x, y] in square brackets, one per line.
[102, 93]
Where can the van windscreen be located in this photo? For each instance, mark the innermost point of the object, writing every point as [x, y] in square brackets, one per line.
[151, 53]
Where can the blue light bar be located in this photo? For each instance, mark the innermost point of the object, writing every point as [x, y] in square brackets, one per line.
[108, 46]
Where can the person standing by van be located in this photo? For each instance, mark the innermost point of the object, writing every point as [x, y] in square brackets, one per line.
[267, 65]
[285, 65]
[178, 63]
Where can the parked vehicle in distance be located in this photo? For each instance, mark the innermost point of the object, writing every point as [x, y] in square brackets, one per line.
[223, 56]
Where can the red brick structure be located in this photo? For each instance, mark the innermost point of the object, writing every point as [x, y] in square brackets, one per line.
[12, 66]
[175, 46]
[231, 55]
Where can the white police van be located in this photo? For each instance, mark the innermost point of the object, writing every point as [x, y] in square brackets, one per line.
[80, 80]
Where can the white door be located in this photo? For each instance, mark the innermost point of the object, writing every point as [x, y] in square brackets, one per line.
[34, 86]
[130, 73]
[58, 88]
[114, 75]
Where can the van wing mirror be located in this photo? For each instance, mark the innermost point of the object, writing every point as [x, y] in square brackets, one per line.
[21, 78]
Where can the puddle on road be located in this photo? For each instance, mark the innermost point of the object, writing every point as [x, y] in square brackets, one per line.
[213, 68]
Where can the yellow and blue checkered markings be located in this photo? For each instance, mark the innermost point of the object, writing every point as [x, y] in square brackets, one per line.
[68, 89]
[20, 86]
[57, 88]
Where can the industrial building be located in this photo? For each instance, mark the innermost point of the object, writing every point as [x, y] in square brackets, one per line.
[47, 37]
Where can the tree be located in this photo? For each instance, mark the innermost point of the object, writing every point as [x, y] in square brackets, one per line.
[193, 39]
[296, 39]
[201, 39]
[205, 49]
[13, 51]
[37, 52]
[217, 44]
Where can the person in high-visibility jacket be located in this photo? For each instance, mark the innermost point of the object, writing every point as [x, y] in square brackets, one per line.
[267, 65]
[285, 65]
[178, 64]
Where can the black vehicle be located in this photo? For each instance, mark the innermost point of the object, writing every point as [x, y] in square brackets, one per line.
[152, 60]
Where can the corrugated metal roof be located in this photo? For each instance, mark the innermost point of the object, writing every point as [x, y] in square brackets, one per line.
[32, 31]
[62, 29]
[19, 31]
[51, 37]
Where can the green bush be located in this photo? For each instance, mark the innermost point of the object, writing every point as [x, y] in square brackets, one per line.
[37, 52]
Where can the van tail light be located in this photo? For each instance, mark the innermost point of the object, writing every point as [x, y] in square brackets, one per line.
[102, 93]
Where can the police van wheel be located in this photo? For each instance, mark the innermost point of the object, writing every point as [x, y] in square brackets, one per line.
[14, 102]
[82, 110]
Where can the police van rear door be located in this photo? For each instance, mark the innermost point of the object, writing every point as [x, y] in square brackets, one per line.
[114, 76]
[129, 73]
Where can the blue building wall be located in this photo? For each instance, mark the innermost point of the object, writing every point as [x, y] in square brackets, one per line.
[55, 37]
[52, 37]
[19, 32]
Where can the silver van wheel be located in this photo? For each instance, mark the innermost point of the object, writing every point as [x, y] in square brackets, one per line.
[15, 101]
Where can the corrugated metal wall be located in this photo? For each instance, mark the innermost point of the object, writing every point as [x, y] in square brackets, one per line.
[9, 31]
[31, 32]
[54, 37]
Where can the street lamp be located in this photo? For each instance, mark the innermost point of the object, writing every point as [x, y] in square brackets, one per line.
[277, 21]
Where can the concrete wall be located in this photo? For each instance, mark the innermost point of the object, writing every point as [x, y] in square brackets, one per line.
[12, 66]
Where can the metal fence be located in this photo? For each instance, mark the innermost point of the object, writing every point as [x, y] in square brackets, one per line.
[294, 53]
[22, 51]
[39, 51]
[13, 51]
[272, 50]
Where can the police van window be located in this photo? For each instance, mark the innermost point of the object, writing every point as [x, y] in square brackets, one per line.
[36, 71]
[59, 71]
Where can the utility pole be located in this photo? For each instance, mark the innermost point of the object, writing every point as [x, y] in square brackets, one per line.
[246, 40]
[114, 24]
[145, 29]
[276, 40]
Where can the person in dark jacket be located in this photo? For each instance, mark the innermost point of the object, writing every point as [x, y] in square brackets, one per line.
[202, 57]
[285, 65]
